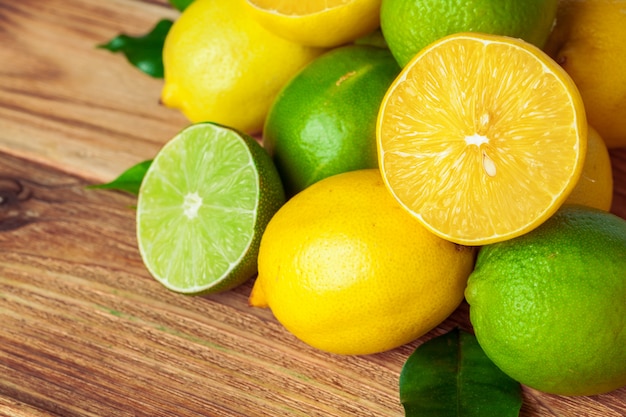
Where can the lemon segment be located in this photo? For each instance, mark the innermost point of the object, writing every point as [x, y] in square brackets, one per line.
[481, 137]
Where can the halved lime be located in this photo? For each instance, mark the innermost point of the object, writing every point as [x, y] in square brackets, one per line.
[202, 208]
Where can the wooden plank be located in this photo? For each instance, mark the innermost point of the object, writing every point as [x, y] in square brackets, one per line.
[87, 332]
[9, 407]
[66, 103]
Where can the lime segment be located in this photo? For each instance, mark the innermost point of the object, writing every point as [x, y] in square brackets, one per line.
[202, 207]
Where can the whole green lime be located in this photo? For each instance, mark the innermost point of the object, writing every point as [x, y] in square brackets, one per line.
[410, 25]
[323, 121]
[549, 307]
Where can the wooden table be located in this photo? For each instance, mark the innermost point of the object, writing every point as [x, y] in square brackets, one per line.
[84, 330]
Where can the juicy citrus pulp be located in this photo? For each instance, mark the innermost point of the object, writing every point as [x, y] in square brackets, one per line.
[202, 207]
[348, 271]
[549, 307]
[410, 25]
[222, 66]
[323, 122]
[320, 23]
[481, 137]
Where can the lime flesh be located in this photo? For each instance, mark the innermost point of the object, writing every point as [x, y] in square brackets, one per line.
[202, 207]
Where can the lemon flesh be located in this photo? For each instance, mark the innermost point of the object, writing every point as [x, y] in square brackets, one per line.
[481, 137]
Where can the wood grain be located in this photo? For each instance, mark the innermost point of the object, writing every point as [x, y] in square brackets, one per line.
[67, 103]
[87, 332]
[84, 330]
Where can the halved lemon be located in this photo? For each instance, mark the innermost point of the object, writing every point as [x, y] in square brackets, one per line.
[481, 137]
[320, 23]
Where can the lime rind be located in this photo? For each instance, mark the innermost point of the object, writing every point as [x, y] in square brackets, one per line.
[198, 212]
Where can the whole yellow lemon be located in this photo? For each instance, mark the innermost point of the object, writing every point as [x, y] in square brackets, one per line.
[595, 184]
[589, 41]
[346, 270]
[222, 66]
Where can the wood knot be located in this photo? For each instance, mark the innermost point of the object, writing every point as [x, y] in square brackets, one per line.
[14, 212]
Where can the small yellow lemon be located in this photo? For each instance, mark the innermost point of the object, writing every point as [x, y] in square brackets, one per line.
[595, 185]
[222, 66]
[589, 41]
[345, 269]
[322, 23]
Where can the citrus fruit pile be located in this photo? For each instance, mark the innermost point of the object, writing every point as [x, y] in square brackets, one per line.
[376, 162]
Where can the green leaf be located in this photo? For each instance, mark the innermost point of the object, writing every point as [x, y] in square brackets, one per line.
[180, 4]
[144, 52]
[129, 181]
[451, 376]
